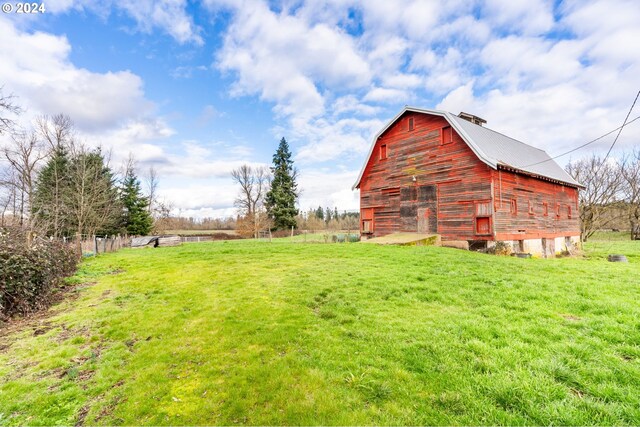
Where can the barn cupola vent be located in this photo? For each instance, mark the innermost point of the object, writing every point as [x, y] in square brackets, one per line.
[471, 118]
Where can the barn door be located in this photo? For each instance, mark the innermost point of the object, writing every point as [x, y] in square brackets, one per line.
[423, 220]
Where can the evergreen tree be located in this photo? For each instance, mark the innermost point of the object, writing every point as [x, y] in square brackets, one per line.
[136, 217]
[76, 193]
[319, 213]
[49, 207]
[327, 215]
[336, 215]
[281, 198]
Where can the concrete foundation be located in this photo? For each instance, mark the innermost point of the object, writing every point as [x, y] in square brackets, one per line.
[544, 247]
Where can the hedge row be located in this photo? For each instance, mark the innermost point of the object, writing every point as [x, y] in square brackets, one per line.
[31, 272]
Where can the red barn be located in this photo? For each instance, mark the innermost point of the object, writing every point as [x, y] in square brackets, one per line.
[430, 171]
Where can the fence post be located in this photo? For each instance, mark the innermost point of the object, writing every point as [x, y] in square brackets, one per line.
[79, 244]
[95, 241]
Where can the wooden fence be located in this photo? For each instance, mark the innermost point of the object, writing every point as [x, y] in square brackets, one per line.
[94, 245]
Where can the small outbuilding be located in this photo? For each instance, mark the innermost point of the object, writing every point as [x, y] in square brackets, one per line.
[155, 241]
[430, 171]
[145, 242]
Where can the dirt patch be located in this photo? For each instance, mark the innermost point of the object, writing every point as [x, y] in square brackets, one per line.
[40, 331]
[38, 319]
[69, 333]
[82, 414]
[111, 406]
[571, 317]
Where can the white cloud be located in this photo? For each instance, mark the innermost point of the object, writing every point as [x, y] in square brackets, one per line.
[343, 139]
[350, 104]
[36, 66]
[328, 187]
[168, 15]
[335, 71]
[381, 94]
[285, 60]
[530, 17]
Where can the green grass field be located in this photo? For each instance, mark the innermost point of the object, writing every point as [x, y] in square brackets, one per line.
[246, 332]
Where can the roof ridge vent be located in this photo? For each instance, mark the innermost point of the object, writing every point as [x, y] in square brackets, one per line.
[471, 118]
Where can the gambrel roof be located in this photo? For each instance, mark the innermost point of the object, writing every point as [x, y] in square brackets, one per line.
[493, 148]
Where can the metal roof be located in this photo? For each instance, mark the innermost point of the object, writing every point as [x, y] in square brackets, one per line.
[492, 148]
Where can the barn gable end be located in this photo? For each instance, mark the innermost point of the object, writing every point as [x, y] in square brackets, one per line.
[425, 174]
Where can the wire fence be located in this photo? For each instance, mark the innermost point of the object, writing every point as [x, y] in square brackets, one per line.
[91, 245]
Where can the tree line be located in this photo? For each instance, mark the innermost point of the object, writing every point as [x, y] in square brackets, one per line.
[54, 185]
[611, 197]
[267, 199]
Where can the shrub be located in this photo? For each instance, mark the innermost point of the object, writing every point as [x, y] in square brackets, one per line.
[500, 248]
[30, 272]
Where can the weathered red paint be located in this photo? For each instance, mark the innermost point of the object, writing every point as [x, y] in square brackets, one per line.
[429, 180]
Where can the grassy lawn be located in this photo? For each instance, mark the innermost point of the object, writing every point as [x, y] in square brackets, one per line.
[246, 332]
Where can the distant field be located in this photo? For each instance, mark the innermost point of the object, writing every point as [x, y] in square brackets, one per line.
[199, 232]
[611, 235]
[251, 332]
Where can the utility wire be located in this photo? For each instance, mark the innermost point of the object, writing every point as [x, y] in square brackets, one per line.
[590, 142]
[623, 124]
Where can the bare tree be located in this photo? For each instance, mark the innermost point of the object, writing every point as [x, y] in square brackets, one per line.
[9, 185]
[57, 133]
[350, 223]
[254, 184]
[7, 108]
[162, 215]
[92, 198]
[23, 154]
[603, 183]
[152, 181]
[631, 186]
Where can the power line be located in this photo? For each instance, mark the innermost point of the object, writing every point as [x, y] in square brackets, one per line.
[623, 124]
[590, 142]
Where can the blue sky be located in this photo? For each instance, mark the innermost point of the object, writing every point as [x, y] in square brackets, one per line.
[198, 88]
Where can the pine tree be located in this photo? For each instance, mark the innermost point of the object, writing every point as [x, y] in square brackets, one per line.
[327, 215]
[136, 217]
[48, 207]
[319, 213]
[281, 198]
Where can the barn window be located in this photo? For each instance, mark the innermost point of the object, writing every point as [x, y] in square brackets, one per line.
[530, 208]
[447, 135]
[557, 210]
[514, 207]
[569, 211]
[410, 123]
[483, 209]
[545, 208]
[383, 151]
[367, 226]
